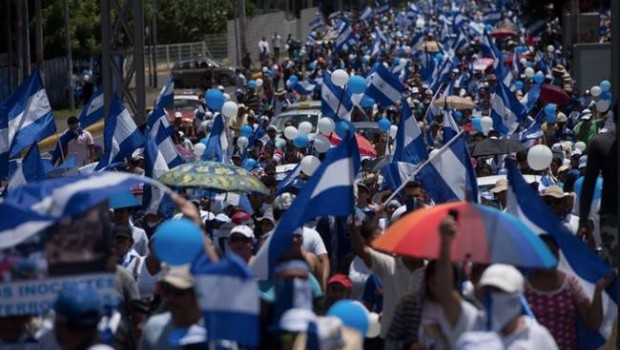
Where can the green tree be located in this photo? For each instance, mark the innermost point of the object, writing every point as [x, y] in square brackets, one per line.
[84, 25]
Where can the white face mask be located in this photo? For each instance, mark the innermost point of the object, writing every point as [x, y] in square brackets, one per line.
[501, 308]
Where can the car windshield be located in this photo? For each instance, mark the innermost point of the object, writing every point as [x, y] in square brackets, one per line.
[186, 104]
[213, 63]
[296, 119]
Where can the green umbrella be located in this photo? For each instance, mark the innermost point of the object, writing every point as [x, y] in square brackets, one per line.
[214, 176]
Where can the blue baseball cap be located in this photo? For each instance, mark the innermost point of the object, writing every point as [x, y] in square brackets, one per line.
[78, 305]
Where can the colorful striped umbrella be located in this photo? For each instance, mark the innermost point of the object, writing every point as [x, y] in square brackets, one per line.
[484, 235]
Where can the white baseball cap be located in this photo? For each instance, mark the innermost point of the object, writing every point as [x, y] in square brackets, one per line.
[244, 230]
[504, 277]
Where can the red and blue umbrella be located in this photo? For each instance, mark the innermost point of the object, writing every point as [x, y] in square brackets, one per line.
[484, 235]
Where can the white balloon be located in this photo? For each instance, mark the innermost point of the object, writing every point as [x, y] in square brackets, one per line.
[243, 142]
[226, 97]
[595, 91]
[580, 145]
[356, 98]
[340, 77]
[374, 326]
[199, 149]
[486, 123]
[529, 72]
[305, 128]
[309, 164]
[539, 157]
[602, 106]
[393, 130]
[291, 132]
[321, 143]
[420, 22]
[259, 82]
[402, 62]
[326, 126]
[230, 109]
[551, 49]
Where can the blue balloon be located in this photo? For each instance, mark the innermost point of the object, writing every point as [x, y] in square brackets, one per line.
[293, 78]
[605, 85]
[215, 99]
[518, 85]
[539, 77]
[395, 61]
[365, 59]
[301, 141]
[367, 102]
[246, 131]
[550, 109]
[606, 96]
[357, 84]
[438, 57]
[477, 123]
[177, 242]
[384, 124]
[551, 118]
[249, 164]
[352, 313]
[252, 84]
[343, 128]
[458, 116]
[488, 28]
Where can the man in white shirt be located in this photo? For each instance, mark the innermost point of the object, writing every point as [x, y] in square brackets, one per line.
[81, 145]
[264, 51]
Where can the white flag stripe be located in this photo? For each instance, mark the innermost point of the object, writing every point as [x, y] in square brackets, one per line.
[231, 295]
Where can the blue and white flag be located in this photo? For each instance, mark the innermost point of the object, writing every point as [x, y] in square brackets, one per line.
[288, 180]
[317, 22]
[217, 144]
[376, 47]
[449, 175]
[384, 87]
[531, 97]
[93, 111]
[31, 169]
[459, 22]
[412, 12]
[345, 37]
[476, 28]
[450, 127]
[367, 15]
[154, 200]
[382, 8]
[229, 300]
[304, 87]
[335, 101]
[121, 136]
[402, 71]
[30, 117]
[17, 224]
[576, 258]
[490, 50]
[533, 131]
[506, 111]
[165, 99]
[329, 191]
[410, 146]
[71, 195]
[492, 17]
[164, 143]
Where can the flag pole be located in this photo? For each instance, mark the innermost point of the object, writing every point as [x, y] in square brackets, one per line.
[417, 170]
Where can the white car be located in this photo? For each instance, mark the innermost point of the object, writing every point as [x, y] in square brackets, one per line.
[298, 113]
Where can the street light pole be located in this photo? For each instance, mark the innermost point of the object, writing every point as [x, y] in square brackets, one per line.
[68, 55]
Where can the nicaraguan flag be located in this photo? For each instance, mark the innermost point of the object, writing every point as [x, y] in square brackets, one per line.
[317, 22]
[575, 256]
[154, 200]
[121, 136]
[533, 132]
[367, 15]
[450, 176]
[345, 38]
[217, 145]
[290, 177]
[160, 134]
[492, 17]
[93, 111]
[329, 191]
[71, 195]
[382, 8]
[531, 97]
[459, 22]
[31, 169]
[384, 87]
[304, 87]
[30, 117]
[410, 146]
[489, 49]
[335, 101]
[165, 99]
[506, 111]
[476, 28]
[229, 299]
[17, 224]
[450, 127]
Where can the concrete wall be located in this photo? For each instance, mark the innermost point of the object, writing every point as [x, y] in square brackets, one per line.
[265, 25]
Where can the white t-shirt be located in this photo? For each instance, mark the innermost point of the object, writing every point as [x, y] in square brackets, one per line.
[571, 222]
[397, 280]
[358, 274]
[313, 242]
[530, 335]
[140, 240]
[78, 147]
[147, 282]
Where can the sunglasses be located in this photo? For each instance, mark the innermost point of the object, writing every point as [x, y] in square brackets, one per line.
[239, 239]
[169, 290]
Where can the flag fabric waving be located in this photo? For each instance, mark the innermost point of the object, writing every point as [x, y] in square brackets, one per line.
[575, 257]
[329, 191]
[384, 87]
[506, 111]
[154, 200]
[31, 169]
[335, 101]
[160, 134]
[166, 95]
[93, 111]
[217, 145]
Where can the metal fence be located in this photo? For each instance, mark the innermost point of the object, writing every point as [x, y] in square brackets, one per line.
[214, 46]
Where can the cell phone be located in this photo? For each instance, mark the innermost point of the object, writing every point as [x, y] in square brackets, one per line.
[454, 214]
